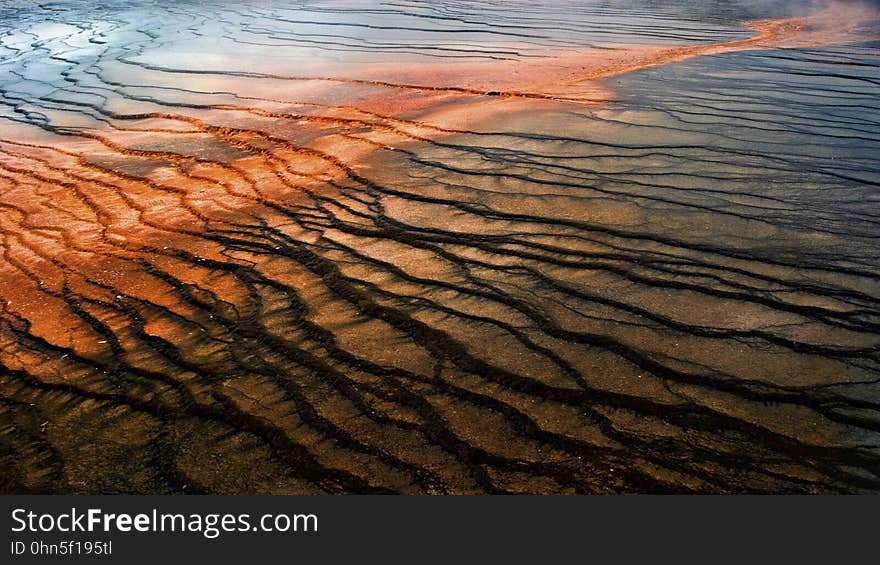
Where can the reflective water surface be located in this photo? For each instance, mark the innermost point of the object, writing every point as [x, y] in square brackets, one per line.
[455, 247]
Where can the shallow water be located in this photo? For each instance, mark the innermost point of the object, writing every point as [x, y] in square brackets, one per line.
[274, 249]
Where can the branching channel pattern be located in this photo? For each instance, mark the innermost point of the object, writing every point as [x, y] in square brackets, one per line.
[251, 250]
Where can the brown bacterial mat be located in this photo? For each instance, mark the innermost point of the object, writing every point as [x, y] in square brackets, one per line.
[439, 247]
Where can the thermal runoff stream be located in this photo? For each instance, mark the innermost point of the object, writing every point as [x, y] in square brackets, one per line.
[439, 247]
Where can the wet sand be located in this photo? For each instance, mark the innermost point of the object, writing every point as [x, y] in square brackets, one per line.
[279, 251]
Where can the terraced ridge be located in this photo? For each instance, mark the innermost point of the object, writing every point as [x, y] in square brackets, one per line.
[322, 248]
